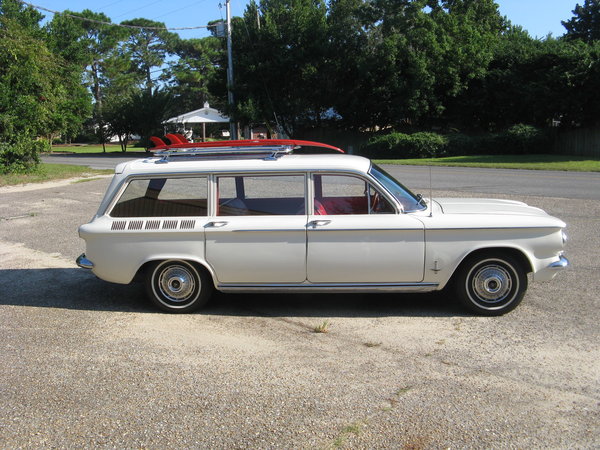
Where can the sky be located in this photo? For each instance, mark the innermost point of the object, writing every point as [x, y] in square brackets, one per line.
[539, 17]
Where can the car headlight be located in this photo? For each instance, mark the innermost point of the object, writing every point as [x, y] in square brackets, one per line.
[564, 237]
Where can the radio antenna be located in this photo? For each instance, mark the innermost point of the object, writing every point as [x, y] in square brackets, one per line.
[430, 195]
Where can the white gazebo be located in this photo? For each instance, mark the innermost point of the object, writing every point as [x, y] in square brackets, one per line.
[203, 115]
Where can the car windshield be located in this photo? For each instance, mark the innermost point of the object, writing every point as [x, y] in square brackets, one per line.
[408, 200]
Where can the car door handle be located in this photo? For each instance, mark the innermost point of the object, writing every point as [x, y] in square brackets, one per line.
[319, 223]
[217, 224]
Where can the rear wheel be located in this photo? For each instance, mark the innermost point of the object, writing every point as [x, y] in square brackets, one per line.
[491, 285]
[177, 286]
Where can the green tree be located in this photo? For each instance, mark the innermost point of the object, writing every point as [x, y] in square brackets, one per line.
[147, 111]
[280, 50]
[26, 17]
[424, 54]
[88, 43]
[533, 82]
[585, 23]
[92, 47]
[117, 119]
[189, 77]
[348, 81]
[146, 48]
[40, 96]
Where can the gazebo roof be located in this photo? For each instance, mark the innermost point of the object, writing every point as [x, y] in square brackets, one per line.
[202, 115]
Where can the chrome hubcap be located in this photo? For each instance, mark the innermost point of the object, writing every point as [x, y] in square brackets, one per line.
[492, 284]
[177, 283]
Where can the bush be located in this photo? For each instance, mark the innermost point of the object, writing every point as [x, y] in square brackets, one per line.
[22, 156]
[402, 146]
[525, 139]
[517, 140]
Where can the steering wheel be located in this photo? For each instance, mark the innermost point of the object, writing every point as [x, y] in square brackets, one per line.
[375, 200]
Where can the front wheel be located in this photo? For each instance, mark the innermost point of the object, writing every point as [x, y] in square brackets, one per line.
[177, 286]
[491, 285]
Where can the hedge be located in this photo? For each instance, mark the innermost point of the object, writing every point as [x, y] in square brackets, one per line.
[519, 139]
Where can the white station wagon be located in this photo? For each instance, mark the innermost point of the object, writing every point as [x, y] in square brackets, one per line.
[253, 216]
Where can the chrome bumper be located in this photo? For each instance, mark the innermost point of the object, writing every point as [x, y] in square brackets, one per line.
[562, 263]
[83, 262]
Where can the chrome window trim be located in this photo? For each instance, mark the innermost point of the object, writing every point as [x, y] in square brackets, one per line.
[358, 174]
[329, 287]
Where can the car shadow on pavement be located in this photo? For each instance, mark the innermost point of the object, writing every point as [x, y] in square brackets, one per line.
[438, 304]
[79, 289]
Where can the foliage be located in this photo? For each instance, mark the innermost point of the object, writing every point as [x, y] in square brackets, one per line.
[518, 139]
[301, 65]
[21, 156]
[146, 48]
[146, 112]
[40, 94]
[117, 116]
[401, 145]
[189, 77]
[585, 23]
[535, 82]
[282, 89]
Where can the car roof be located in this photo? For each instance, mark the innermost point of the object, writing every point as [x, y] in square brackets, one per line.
[285, 163]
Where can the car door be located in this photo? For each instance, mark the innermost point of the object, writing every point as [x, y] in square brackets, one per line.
[257, 234]
[356, 236]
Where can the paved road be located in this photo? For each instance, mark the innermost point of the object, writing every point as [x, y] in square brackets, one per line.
[90, 364]
[579, 185]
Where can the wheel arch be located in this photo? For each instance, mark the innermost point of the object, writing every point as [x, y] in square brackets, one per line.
[518, 254]
[139, 275]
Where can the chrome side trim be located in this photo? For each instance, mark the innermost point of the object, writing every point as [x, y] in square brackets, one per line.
[467, 228]
[562, 263]
[83, 262]
[267, 230]
[329, 287]
[372, 230]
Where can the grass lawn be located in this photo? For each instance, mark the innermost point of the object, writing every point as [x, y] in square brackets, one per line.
[93, 148]
[50, 172]
[532, 162]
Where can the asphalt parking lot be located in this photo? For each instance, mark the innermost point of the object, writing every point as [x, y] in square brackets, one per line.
[90, 364]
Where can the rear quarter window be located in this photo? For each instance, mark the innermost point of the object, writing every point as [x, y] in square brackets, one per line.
[163, 197]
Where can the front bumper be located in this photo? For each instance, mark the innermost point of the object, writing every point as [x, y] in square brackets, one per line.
[562, 263]
[83, 262]
[550, 271]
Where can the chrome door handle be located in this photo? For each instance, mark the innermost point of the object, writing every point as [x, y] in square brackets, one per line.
[217, 224]
[319, 223]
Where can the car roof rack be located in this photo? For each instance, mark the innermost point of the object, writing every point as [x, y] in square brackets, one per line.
[264, 152]
[252, 148]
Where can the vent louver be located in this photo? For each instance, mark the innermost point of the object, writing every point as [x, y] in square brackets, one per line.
[135, 225]
[187, 224]
[153, 225]
[170, 224]
[118, 225]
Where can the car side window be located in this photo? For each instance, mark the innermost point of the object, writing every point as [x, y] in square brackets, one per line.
[259, 195]
[163, 197]
[347, 194]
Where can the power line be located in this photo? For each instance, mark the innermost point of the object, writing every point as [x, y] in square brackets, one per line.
[178, 9]
[110, 4]
[136, 27]
[137, 9]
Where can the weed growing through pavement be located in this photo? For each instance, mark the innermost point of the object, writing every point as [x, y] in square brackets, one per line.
[322, 327]
[354, 429]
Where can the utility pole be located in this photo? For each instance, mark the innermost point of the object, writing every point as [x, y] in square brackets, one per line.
[232, 125]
